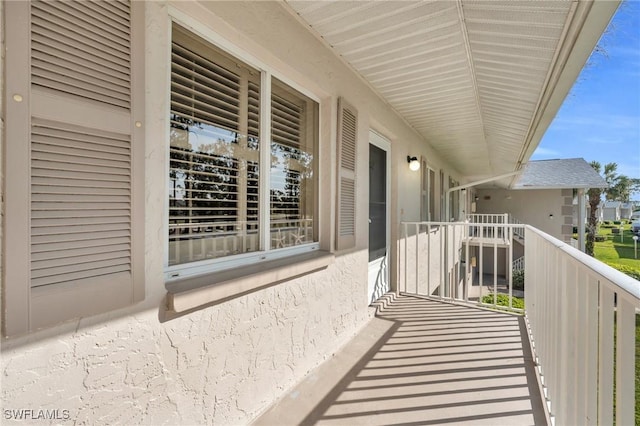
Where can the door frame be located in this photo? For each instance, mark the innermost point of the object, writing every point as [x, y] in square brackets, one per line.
[380, 141]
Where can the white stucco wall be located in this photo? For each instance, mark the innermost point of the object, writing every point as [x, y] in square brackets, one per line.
[228, 362]
[550, 210]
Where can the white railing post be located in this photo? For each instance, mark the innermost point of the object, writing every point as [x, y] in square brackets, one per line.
[605, 361]
[625, 362]
[417, 256]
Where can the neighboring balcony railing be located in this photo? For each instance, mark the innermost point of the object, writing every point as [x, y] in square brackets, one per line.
[574, 305]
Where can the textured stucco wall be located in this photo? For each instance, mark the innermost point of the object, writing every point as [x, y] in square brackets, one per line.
[226, 363]
[219, 365]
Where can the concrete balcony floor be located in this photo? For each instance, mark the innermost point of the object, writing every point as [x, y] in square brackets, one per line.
[422, 362]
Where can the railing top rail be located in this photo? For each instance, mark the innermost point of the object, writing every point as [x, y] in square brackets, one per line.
[504, 225]
[629, 285]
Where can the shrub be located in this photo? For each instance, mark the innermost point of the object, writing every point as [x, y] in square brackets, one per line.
[503, 300]
[629, 270]
[617, 222]
[600, 238]
[518, 280]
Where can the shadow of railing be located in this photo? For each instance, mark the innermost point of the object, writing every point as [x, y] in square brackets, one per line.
[434, 374]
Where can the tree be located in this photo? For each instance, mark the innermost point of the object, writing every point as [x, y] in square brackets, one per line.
[622, 188]
[595, 195]
[610, 177]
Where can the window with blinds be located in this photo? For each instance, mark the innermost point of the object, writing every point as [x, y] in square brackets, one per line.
[294, 124]
[214, 153]
[215, 158]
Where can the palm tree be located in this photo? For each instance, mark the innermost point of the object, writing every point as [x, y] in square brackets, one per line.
[595, 195]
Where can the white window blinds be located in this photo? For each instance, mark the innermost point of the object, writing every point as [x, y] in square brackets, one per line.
[294, 123]
[219, 167]
[213, 194]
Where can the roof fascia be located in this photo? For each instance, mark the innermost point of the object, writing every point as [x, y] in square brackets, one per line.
[587, 25]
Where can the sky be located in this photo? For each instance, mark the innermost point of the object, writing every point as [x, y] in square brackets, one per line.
[600, 118]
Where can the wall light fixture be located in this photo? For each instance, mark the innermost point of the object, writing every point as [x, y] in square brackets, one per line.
[414, 164]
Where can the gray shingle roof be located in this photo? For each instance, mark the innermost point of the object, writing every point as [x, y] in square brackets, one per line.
[559, 174]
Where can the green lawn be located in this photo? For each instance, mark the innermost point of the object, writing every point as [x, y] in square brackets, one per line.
[618, 251]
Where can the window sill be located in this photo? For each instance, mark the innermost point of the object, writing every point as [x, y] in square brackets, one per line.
[188, 294]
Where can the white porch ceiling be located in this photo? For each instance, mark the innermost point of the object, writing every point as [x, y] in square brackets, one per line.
[475, 78]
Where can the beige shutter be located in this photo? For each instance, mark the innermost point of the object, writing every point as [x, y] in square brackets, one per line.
[81, 156]
[347, 154]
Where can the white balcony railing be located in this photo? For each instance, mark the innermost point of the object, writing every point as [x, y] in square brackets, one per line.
[492, 218]
[459, 261]
[518, 264]
[574, 306]
[497, 218]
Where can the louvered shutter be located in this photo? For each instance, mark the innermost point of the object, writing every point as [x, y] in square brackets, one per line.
[346, 205]
[82, 178]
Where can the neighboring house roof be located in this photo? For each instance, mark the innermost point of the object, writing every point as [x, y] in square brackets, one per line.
[559, 174]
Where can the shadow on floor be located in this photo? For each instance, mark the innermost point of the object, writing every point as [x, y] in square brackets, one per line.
[423, 362]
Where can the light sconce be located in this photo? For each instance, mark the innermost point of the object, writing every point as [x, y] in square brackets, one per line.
[414, 164]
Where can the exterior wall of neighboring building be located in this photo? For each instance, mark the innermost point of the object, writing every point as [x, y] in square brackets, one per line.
[626, 209]
[550, 210]
[222, 364]
[611, 211]
[587, 212]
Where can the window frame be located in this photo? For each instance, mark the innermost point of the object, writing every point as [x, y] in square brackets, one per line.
[267, 74]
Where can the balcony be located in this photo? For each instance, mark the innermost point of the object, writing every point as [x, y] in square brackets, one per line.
[438, 353]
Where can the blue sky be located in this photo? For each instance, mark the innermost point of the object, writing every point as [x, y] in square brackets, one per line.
[600, 118]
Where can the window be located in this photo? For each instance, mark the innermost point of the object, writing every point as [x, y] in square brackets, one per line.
[427, 192]
[443, 207]
[454, 200]
[230, 192]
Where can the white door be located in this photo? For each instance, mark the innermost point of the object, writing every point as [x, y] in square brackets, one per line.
[379, 218]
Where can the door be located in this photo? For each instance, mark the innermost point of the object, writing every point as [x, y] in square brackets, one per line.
[379, 218]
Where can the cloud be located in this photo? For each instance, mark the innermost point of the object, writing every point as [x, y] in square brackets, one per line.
[629, 169]
[596, 123]
[545, 153]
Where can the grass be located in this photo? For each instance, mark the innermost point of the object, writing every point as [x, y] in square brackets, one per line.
[503, 300]
[618, 252]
